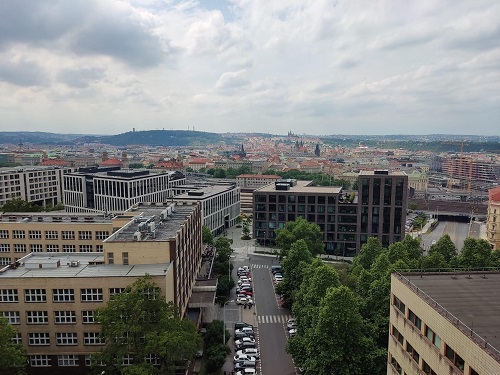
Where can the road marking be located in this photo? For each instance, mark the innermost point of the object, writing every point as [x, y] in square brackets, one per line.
[273, 319]
[260, 266]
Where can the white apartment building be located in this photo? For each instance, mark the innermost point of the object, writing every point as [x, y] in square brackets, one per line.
[220, 205]
[116, 190]
[39, 185]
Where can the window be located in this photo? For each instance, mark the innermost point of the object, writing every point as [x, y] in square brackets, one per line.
[399, 305]
[90, 295]
[18, 234]
[68, 235]
[8, 295]
[151, 293]
[115, 291]
[125, 258]
[36, 247]
[414, 319]
[38, 338]
[4, 261]
[85, 248]
[66, 338]
[12, 316]
[4, 248]
[427, 369]
[19, 248]
[35, 234]
[84, 235]
[69, 248]
[35, 295]
[52, 248]
[4, 233]
[100, 235]
[396, 365]
[88, 316]
[412, 352]
[92, 338]
[397, 335]
[67, 360]
[63, 295]
[64, 317]
[454, 358]
[51, 235]
[128, 360]
[40, 360]
[431, 335]
[99, 248]
[111, 258]
[37, 317]
[17, 339]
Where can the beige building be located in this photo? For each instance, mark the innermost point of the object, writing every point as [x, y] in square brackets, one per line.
[444, 324]
[418, 181]
[51, 297]
[248, 183]
[493, 219]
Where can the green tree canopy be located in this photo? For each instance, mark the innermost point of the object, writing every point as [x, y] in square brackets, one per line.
[207, 236]
[476, 253]
[13, 358]
[140, 322]
[445, 247]
[300, 229]
[369, 252]
[20, 205]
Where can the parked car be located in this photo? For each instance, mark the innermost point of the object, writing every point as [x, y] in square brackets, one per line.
[246, 330]
[247, 371]
[292, 332]
[291, 320]
[245, 345]
[247, 293]
[244, 339]
[291, 325]
[243, 280]
[244, 357]
[244, 301]
[251, 352]
[240, 335]
[244, 364]
[275, 269]
[240, 325]
[278, 279]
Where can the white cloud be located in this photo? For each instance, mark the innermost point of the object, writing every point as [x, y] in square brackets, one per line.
[106, 66]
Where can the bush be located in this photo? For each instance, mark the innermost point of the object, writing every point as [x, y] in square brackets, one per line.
[216, 357]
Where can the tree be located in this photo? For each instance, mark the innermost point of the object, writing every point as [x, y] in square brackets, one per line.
[20, 205]
[13, 358]
[245, 231]
[445, 247]
[140, 322]
[369, 252]
[434, 260]
[476, 253]
[216, 349]
[206, 235]
[338, 344]
[297, 230]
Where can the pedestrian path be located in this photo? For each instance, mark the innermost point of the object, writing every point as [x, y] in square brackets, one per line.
[281, 319]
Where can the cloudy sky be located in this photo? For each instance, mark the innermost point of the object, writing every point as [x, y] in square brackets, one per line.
[310, 66]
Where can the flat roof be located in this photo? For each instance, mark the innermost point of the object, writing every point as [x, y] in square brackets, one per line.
[208, 191]
[84, 265]
[164, 226]
[54, 217]
[473, 298]
[302, 187]
[382, 172]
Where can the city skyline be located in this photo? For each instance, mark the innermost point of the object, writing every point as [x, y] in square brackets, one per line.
[94, 67]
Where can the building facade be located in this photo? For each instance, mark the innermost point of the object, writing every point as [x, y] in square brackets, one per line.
[51, 298]
[248, 183]
[346, 218]
[115, 190]
[493, 219]
[444, 324]
[220, 205]
[38, 185]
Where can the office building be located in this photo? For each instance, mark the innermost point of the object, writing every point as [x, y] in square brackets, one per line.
[444, 324]
[220, 205]
[247, 184]
[116, 190]
[346, 218]
[37, 185]
[51, 298]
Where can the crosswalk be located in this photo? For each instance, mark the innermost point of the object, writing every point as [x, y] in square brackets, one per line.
[281, 319]
[260, 266]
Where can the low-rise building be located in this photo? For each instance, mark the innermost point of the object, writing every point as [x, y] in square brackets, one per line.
[493, 219]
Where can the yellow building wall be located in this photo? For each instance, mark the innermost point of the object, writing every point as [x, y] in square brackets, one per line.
[139, 252]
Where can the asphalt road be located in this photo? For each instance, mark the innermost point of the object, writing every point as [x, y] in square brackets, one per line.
[458, 232]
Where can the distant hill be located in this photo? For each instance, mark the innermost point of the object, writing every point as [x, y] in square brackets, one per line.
[16, 138]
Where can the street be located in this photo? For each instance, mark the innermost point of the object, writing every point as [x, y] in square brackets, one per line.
[458, 232]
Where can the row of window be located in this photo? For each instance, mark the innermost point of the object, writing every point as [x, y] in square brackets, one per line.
[454, 358]
[58, 295]
[50, 248]
[311, 199]
[53, 234]
[63, 338]
[42, 317]
[44, 360]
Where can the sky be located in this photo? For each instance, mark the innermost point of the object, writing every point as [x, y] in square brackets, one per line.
[309, 66]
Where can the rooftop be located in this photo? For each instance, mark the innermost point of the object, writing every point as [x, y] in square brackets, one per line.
[473, 298]
[153, 222]
[382, 172]
[204, 192]
[48, 265]
[53, 217]
[302, 187]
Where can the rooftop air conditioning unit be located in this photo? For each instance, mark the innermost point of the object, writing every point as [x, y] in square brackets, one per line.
[137, 236]
[151, 227]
